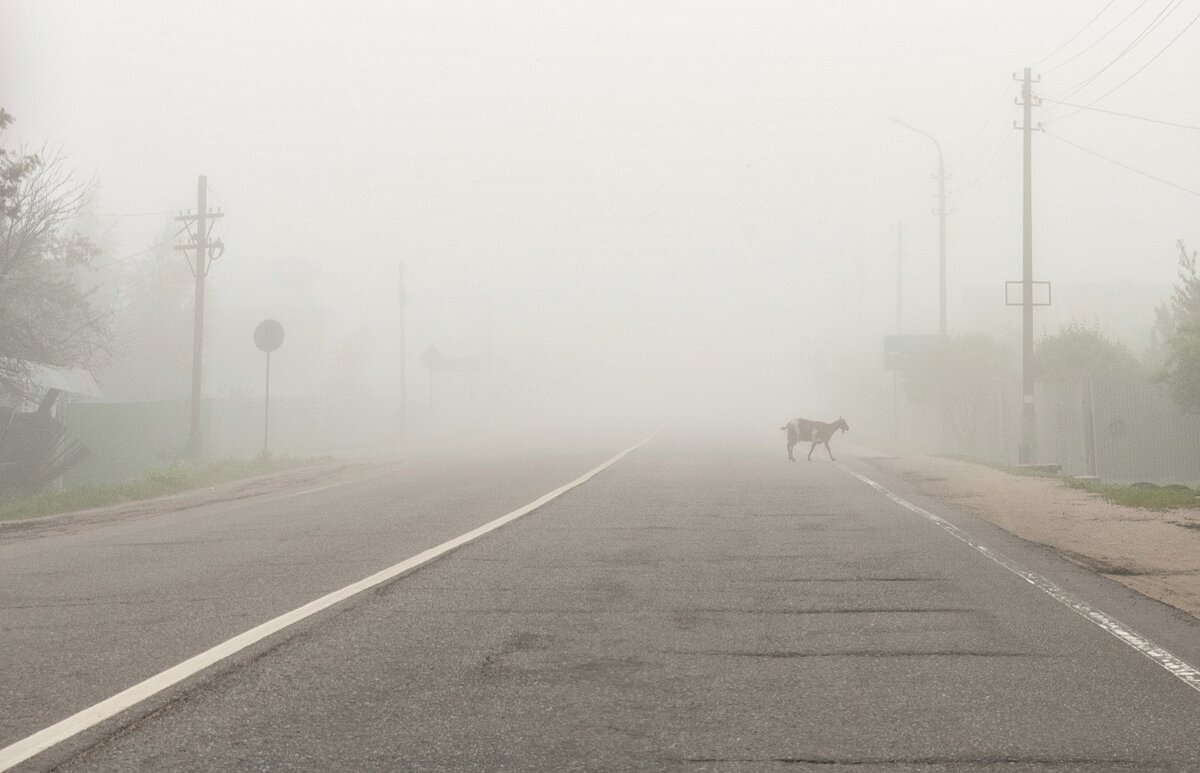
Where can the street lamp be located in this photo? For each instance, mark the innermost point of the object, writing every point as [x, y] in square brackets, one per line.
[941, 177]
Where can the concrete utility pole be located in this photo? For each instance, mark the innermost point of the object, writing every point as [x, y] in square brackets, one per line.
[899, 331]
[941, 178]
[899, 278]
[1027, 453]
[206, 251]
[403, 357]
[941, 243]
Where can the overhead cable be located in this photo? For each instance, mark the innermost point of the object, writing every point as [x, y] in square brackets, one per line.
[1077, 34]
[1122, 165]
[1161, 51]
[1097, 40]
[1189, 126]
[1158, 19]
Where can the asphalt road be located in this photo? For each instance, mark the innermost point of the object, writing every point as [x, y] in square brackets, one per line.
[694, 607]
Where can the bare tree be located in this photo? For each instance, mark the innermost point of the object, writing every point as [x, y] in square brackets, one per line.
[46, 314]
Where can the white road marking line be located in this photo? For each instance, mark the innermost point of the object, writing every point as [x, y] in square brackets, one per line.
[22, 750]
[1176, 666]
[311, 491]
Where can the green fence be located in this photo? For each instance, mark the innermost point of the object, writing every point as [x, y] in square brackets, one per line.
[127, 439]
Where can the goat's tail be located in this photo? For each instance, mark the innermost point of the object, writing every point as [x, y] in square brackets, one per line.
[784, 426]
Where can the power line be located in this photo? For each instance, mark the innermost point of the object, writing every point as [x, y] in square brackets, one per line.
[128, 214]
[1007, 140]
[279, 251]
[1159, 18]
[970, 201]
[1123, 115]
[1097, 40]
[146, 251]
[1161, 51]
[986, 122]
[1077, 34]
[291, 231]
[242, 206]
[1122, 165]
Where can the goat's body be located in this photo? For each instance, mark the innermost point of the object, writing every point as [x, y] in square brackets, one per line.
[809, 431]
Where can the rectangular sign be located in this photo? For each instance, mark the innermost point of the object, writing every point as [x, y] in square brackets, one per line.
[1013, 292]
[897, 349]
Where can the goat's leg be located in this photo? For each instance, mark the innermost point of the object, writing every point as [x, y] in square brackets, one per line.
[791, 458]
[830, 450]
[811, 449]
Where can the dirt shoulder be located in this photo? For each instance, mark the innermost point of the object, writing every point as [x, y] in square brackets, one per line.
[1156, 553]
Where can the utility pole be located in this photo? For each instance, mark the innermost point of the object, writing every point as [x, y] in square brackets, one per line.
[899, 277]
[941, 242]
[899, 331]
[206, 250]
[1027, 453]
[403, 357]
[941, 178]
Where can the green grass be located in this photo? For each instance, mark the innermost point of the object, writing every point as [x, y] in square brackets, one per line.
[168, 480]
[1146, 496]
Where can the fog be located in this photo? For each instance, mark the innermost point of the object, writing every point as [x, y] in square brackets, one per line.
[630, 213]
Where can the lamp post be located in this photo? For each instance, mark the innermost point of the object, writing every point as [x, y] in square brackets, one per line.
[941, 178]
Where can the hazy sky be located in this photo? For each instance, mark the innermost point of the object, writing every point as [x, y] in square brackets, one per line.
[594, 184]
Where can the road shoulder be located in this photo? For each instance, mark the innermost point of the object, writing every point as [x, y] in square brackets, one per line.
[1156, 553]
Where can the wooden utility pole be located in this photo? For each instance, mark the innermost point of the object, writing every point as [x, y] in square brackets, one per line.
[205, 250]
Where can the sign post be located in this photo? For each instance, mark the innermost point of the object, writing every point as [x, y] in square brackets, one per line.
[268, 336]
[437, 362]
[898, 350]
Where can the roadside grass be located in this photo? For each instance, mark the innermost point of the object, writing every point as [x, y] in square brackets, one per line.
[1144, 495]
[174, 479]
[1147, 496]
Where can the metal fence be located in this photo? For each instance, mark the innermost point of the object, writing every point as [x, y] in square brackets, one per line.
[1137, 433]
[1119, 430]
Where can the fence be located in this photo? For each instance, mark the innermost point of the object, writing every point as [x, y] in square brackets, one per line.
[126, 439]
[1120, 430]
[1139, 434]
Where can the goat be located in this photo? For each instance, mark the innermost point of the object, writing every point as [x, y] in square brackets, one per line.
[812, 431]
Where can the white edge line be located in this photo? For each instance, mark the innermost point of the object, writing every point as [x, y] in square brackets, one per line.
[22, 750]
[1176, 666]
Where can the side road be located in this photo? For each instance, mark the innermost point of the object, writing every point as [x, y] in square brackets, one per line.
[1156, 553]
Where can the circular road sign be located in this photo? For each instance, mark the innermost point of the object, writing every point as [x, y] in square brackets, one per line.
[268, 335]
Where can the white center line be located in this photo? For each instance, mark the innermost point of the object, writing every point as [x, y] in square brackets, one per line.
[1177, 667]
[22, 750]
